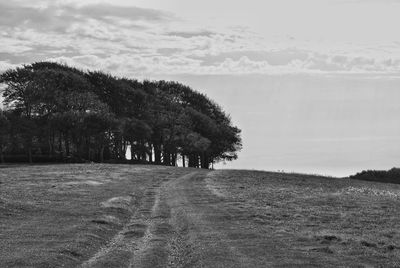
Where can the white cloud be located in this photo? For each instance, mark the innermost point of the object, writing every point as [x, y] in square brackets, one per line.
[136, 65]
[130, 40]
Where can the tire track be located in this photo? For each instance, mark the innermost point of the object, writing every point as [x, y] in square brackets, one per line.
[202, 226]
[153, 240]
[134, 235]
[123, 244]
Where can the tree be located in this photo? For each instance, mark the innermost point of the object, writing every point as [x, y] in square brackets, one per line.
[137, 132]
[55, 109]
[97, 127]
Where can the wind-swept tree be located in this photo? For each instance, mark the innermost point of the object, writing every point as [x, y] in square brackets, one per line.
[55, 110]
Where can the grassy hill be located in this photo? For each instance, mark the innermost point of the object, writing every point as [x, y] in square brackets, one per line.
[103, 215]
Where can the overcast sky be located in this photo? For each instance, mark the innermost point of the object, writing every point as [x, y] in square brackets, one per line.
[314, 84]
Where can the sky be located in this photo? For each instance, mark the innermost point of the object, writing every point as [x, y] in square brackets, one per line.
[313, 84]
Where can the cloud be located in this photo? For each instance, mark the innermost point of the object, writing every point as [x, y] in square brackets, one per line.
[105, 11]
[190, 34]
[134, 65]
[148, 65]
[59, 17]
[144, 42]
[145, 67]
[350, 64]
[273, 57]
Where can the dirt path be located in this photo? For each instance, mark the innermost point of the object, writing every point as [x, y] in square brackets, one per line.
[180, 222]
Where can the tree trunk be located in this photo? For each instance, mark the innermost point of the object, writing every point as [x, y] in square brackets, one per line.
[150, 153]
[144, 154]
[132, 153]
[173, 159]
[193, 160]
[205, 163]
[60, 145]
[66, 144]
[183, 160]
[53, 138]
[124, 147]
[30, 154]
[157, 153]
[166, 158]
[102, 154]
[1, 154]
[88, 148]
[190, 163]
[50, 147]
[79, 148]
[197, 161]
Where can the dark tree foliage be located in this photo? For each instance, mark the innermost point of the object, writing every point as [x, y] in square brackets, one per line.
[59, 113]
[391, 176]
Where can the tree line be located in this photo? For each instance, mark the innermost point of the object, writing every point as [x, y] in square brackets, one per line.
[54, 112]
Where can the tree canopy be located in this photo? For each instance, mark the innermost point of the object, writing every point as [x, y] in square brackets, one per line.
[53, 112]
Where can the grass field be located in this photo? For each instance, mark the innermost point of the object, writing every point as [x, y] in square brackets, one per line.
[95, 215]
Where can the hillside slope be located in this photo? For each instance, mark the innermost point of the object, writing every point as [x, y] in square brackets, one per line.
[149, 216]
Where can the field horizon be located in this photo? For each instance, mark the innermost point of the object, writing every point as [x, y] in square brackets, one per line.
[216, 167]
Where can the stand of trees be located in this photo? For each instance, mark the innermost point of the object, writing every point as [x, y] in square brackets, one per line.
[389, 176]
[53, 112]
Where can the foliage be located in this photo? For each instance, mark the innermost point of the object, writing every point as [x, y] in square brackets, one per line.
[56, 111]
[392, 175]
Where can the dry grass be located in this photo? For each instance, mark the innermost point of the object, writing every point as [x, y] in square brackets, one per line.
[121, 215]
[317, 221]
[62, 214]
